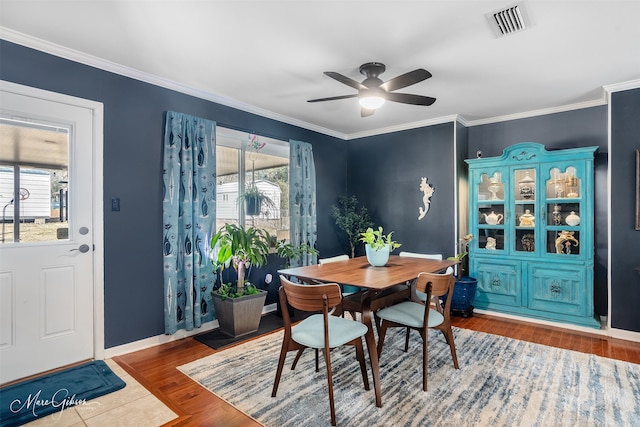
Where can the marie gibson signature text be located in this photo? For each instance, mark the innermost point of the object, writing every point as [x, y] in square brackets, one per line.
[60, 399]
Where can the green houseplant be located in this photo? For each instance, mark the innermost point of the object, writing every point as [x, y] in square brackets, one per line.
[378, 246]
[289, 252]
[239, 307]
[292, 252]
[255, 199]
[351, 218]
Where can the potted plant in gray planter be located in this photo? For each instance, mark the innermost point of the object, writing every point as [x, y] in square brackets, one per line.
[378, 246]
[239, 306]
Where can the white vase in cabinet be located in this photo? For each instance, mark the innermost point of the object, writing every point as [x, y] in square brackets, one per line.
[572, 219]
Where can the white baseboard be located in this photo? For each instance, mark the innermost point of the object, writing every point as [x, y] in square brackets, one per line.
[163, 339]
[625, 335]
[606, 330]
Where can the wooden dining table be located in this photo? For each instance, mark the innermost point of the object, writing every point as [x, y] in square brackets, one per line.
[358, 272]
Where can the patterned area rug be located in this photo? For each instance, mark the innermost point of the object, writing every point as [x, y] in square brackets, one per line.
[501, 382]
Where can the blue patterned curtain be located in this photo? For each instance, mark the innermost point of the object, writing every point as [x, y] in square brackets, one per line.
[189, 210]
[302, 199]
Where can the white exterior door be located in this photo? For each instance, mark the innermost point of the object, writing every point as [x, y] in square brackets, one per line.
[46, 280]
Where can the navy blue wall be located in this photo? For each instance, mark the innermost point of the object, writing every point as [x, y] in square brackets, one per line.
[578, 128]
[625, 248]
[384, 173]
[133, 126]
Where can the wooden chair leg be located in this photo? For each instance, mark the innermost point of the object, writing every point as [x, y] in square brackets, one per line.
[295, 361]
[327, 359]
[363, 366]
[299, 353]
[283, 356]
[406, 340]
[452, 346]
[381, 335]
[425, 358]
[448, 336]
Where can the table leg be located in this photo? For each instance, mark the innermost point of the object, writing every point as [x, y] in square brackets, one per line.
[367, 315]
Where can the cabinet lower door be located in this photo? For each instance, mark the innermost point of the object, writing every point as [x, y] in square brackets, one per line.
[498, 283]
[560, 289]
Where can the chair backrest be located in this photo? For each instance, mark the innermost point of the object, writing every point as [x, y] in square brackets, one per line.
[333, 259]
[426, 256]
[311, 297]
[436, 285]
[419, 255]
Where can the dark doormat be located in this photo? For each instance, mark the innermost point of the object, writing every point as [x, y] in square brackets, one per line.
[269, 322]
[30, 400]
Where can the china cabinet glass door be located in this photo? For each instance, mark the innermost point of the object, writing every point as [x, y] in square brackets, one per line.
[491, 212]
[563, 195]
[524, 184]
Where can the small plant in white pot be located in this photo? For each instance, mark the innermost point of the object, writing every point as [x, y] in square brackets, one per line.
[378, 246]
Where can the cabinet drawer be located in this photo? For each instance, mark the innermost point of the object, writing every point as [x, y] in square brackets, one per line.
[498, 282]
[558, 288]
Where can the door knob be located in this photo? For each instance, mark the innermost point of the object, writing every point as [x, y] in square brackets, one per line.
[82, 248]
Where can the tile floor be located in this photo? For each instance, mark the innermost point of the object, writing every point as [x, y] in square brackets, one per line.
[132, 406]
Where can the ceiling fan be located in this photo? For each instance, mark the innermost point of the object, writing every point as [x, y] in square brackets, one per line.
[373, 92]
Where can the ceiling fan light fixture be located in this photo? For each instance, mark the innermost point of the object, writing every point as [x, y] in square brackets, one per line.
[371, 100]
[373, 92]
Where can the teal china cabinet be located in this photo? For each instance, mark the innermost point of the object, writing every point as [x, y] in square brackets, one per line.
[532, 212]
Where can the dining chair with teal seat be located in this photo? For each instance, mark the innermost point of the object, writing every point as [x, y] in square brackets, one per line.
[422, 317]
[421, 295]
[449, 270]
[346, 289]
[321, 331]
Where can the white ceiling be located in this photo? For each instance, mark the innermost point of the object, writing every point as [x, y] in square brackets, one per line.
[268, 57]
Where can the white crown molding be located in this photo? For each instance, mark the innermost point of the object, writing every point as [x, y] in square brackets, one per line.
[463, 121]
[404, 126]
[542, 112]
[93, 61]
[76, 56]
[617, 87]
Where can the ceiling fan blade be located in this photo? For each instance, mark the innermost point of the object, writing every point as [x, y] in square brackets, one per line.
[407, 79]
[407, 98]
[366, 112]
[346, 80]
[333, 98]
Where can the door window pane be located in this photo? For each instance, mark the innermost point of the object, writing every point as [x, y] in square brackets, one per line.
[34, 174]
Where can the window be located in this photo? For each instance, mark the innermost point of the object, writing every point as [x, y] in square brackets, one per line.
[33, 182]
[265, 170]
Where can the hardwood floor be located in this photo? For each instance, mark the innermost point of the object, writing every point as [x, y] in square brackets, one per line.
[155, 368]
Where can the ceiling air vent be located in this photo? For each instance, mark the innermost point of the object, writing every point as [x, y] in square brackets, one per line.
[509, 20]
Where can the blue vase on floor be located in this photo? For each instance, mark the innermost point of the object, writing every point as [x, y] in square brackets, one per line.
[464, 293]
